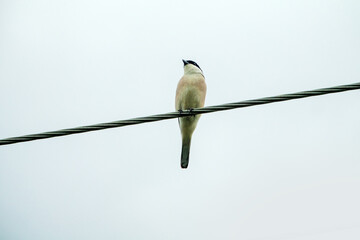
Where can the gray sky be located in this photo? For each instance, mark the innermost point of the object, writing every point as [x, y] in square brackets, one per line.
[281, 171]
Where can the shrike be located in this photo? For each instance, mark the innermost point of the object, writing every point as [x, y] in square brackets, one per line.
[190, 94]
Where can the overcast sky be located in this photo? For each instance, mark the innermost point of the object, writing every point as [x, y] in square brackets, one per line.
[287, 170]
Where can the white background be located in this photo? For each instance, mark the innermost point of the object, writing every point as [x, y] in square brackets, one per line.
[287, 170]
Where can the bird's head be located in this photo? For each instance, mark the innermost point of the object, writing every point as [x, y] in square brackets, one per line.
[191, 67]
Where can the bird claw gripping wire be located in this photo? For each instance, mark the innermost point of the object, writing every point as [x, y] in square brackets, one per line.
[187, 112]
[190, 112]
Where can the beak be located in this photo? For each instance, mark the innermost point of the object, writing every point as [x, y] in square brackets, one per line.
[185, 62]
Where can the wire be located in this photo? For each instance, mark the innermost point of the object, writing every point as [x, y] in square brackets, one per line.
[185, 113]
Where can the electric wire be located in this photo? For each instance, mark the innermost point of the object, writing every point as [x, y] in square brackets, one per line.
[159, 117]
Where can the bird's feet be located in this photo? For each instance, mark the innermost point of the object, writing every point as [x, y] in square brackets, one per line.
[190, 111]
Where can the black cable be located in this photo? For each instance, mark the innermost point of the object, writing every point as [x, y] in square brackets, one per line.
[170, 115]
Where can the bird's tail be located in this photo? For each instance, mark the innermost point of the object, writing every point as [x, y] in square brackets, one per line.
[185, 152]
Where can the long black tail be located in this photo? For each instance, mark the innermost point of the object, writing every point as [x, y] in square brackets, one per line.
[185, 152]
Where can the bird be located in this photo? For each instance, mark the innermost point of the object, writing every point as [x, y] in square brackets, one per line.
[190, 94]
